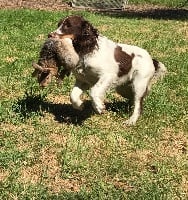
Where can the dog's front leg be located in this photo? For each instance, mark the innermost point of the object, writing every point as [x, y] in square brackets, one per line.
[76, 93]
[98, 92]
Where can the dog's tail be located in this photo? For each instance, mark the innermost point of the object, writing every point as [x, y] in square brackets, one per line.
[160, 70]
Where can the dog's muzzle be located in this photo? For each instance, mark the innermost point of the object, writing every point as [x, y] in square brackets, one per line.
[60, 36]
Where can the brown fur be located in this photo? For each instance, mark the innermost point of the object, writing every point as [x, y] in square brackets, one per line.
[124, 60]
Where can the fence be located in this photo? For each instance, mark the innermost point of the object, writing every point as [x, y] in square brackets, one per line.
[100, 4]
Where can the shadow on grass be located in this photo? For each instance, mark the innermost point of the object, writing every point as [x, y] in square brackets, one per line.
[31, 105]
[120, 107]
[153, 13]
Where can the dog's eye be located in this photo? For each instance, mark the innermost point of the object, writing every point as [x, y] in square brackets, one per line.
[66, 25]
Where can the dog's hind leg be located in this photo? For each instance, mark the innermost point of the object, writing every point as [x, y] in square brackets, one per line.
[140, 87]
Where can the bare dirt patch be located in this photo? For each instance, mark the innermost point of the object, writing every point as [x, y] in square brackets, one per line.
[34, 4]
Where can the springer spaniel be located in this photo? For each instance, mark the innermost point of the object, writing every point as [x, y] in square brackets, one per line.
[106, 64]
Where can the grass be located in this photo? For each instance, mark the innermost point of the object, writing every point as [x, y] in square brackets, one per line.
[174, 3]
[50, 151]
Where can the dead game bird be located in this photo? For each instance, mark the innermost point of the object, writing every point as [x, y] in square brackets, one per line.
[57, 58]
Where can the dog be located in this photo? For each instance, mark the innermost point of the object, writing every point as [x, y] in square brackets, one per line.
[105, 64]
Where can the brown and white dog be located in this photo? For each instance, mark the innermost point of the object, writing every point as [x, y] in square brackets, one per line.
[105, 64]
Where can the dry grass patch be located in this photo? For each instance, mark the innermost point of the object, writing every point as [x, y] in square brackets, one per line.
[184, 185]
[120, 184]
[5, 37]
[143, 159]
[57, 139]
[59, 99]
[183, 30]
[68, 185]
[47, 163]
[95, 148]
[181, 49]
[4, 174]
[48, 172]
[31, 174]
[173, 144]
[5, 127]
[41, 37]
[104, 27]
[9, 59]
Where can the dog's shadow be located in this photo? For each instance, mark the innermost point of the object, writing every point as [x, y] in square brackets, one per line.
[36, 104]
[63, 113]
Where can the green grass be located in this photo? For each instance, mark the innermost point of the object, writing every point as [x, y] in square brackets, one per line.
[174, 3]
[50, 151]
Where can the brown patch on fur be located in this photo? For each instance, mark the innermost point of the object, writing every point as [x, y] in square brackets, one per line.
[124, 60]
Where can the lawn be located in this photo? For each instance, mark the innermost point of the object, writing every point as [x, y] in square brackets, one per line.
[50, 151]
[170, 3]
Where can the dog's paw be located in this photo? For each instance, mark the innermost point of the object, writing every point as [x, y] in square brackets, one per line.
[99, 108]
[130, 122]
[78, 106]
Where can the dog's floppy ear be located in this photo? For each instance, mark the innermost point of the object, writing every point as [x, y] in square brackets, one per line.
[88, 29]
[86, 42]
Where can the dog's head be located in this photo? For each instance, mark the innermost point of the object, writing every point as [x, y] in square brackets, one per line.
[83, 34]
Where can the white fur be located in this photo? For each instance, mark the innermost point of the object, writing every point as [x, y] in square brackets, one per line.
[58, 31]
